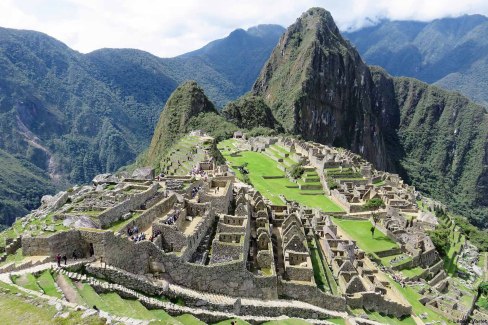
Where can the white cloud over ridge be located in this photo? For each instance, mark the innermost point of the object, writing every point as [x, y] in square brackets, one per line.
[168, 28]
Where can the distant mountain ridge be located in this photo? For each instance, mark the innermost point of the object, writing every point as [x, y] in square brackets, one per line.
[74, 115]
[449, 52]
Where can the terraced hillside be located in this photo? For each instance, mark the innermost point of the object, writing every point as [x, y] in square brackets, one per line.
[267, 174]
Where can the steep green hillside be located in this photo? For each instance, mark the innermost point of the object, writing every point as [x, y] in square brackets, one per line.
[450, 52]
[22, 185]
[249, 112]
[187, 109]
[73, 116]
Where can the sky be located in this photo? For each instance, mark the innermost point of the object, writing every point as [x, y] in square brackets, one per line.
[169, 28]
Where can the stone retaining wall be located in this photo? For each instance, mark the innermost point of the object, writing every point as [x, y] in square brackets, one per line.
[65, 242]
[156, 211]
[310, 294]
[113, 214]
[374, 301]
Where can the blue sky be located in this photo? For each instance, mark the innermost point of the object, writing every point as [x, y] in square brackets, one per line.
[168, 28]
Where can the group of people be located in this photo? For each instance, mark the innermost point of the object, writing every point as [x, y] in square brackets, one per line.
[59, 258]
[132, 230]
[139, 237]
[195, 190]
[172, 218]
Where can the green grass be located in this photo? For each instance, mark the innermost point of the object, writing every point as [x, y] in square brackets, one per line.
[236, 320]
[413, 298]
[27, 281]
[92, 298]
[188, 319]
[359, 230]
[17, 257]
[25, 309]
[390, 320]
[121, 224]
[163, 317]
[46, 282]
[412, 272]
[260, 165]
[457, 240]
[318, 267]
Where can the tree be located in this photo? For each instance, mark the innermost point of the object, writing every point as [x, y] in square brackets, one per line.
[374, 204]
[440, 239]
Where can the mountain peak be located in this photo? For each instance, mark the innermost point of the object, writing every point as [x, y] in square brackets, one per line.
[326, 94]
[187, 101]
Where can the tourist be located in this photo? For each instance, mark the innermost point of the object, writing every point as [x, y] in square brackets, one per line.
[135, 229]
[58, 259]
[65, 259]
[75, 257]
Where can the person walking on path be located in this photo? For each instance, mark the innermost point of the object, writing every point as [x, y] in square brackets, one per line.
[65, 259]
[58, 259]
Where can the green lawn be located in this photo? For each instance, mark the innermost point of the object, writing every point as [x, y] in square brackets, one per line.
[25, 309]
[359, 230]
[412, 272]
[188, 319]
[318, 267]
[259, 165]
[27, 281]
[46, 282]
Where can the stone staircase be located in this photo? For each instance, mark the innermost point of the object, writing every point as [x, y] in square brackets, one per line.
[26, 263]
[11, 248]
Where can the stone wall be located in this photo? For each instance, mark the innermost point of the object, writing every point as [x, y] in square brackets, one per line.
[156, 211]
[298, 273]
[113, 214]
[374, 301]
[65, 242]
[221, 203]
[310, 294]
[231, 278]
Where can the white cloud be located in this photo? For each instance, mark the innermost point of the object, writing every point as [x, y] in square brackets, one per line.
[168, 28]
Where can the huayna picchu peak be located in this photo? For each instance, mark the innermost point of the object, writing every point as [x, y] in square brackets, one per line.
[311, 188]
[318, 87]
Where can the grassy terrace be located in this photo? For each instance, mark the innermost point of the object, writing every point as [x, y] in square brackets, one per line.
[260, 165]
[359, 230]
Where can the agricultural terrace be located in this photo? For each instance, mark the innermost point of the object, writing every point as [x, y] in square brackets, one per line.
[360, 231]
[260, 165]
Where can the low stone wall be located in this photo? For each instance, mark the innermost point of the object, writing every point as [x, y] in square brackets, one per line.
[374, 301]
[298, 273]
[113, 214]
[310, 294]
[389, 252]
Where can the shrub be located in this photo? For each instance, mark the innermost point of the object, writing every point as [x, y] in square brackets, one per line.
[374, 204]
[296, 171]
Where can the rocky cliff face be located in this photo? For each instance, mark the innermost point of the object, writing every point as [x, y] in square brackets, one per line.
[317, 86]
